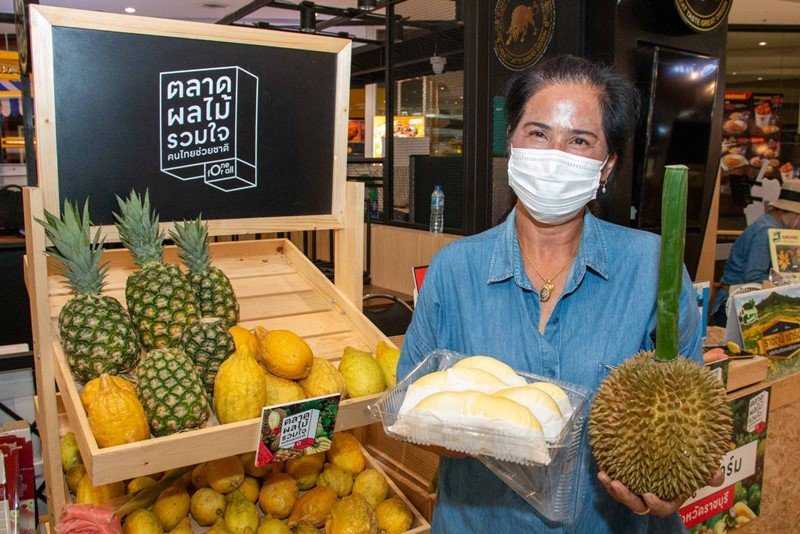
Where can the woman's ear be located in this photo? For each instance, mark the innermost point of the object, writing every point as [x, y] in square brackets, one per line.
[609, 166]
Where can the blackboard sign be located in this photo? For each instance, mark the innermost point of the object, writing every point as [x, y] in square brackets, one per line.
[249, 125]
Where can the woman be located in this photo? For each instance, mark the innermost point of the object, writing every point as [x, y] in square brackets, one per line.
[749, 260]
[552, 290]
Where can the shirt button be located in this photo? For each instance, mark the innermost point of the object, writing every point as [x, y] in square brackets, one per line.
[551, 373]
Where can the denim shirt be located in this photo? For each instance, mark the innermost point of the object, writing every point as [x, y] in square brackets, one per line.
[477, 299]
[749, 260]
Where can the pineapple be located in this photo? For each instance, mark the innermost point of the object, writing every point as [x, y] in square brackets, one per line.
[95, 329]
[171, 392]
[208, 343]
[159, 297]
[211, 287]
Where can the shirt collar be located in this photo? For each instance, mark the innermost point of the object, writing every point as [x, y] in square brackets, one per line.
[507, 257]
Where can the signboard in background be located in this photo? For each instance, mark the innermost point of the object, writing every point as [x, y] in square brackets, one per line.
[702, 291]
[763, 149]
[403, 126]
[784, 252]
[738, 500]
[768, 320]
[766, 114]
[735, 125]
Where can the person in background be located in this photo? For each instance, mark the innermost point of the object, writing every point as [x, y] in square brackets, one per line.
[552, 291]
[749, 260]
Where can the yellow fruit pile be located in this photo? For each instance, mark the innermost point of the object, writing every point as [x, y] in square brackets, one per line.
[268, 367]
[335, 492]
[293, 373]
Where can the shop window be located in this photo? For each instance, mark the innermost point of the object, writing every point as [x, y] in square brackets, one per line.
[422, 145]
[760, 142]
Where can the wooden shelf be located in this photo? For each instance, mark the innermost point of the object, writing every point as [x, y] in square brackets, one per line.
[277, 287]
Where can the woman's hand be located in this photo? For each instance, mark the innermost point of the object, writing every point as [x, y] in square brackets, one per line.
[648, 503]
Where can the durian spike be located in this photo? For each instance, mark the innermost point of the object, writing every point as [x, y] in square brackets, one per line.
[673, 236]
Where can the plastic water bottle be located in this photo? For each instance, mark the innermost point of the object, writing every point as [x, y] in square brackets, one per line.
[437, 210]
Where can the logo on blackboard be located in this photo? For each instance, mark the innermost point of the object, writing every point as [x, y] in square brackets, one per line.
[208, 126]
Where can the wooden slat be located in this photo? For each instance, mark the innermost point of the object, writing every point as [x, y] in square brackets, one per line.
[360, 324]
[305, 325]
[419, 525]
[95, 20]
[331, 346]
[278, 285]
[249, 263]
[273, 306]
[416, 493]
[420, 463]
[742, 373]
[47, 420]
[270, 285]
[349, 247]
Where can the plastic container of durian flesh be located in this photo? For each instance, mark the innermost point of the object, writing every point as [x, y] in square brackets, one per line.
[542, 469]
[485, 421]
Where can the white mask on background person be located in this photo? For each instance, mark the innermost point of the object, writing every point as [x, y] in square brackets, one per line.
[554, 186]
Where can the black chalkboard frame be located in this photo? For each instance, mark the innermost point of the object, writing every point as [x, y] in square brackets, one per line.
[47, 19]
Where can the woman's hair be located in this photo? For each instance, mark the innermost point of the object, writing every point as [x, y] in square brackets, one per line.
[619, 99]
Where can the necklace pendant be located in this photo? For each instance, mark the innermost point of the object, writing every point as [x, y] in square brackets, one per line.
[544, 294]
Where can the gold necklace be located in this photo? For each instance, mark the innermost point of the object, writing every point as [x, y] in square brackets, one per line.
[547, 288]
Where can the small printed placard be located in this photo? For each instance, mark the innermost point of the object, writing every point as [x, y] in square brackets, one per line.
[293, 429]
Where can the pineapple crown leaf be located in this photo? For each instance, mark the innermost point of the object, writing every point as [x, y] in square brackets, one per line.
[138, 229]
[78, 255]
[191, 238]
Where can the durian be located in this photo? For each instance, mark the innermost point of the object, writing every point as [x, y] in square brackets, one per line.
[659, 422]
[660, 427]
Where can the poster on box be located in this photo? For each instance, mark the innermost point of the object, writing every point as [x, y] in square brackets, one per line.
[768, 320]
[738, 500]
[784, 252]
[766, 114]
[293, 429]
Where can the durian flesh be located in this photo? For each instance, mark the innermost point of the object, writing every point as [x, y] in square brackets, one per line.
[660, 427]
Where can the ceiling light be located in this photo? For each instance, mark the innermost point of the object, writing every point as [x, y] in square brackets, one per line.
[762, 43]
[760, 78]
[438, 63]
[734, 73]
[366, 5]
[130, 10]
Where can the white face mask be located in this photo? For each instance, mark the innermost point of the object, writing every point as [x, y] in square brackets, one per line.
[552, 185]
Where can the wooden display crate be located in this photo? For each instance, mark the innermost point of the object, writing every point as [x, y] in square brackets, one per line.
[277, 287]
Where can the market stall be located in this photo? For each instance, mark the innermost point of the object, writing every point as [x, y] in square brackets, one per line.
[211, 108]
